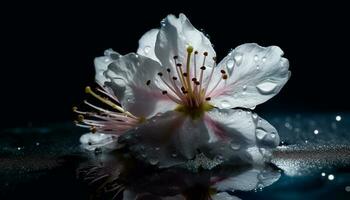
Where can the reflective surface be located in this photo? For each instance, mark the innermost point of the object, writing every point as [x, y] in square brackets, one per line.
[312, 162]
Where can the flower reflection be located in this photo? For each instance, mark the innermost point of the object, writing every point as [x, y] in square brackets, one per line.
[118, 176]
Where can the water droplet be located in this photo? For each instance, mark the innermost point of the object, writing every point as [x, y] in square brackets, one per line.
[264, 59]
[266, 87]
[19, 148]
[257, 67]
[347, 188]
[273, 135]
[260, 186]
[235, 146]
[107, 60]
[315, 131]
[230, 64]
[260, 133]
[239, 112]
[143, 155]
[157, 148]
[238, 59]
[146, 49]
[255, 116]
[331, 177]
[174, 155]
[37, 143]
[256, 58]
[338, 118]
[153, 161]
[306, 141]
[244, 87]
[225, 104]
[323, 174]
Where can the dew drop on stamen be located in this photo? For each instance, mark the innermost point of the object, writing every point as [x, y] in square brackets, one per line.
[266, 87]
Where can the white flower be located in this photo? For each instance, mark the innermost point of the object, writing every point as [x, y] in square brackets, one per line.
[175, 72]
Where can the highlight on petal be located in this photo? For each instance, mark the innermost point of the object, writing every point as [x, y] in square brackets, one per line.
[147, 44]
[134, 81]
[175, 36]
[255, 74]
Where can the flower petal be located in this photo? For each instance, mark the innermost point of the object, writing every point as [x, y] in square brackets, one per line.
[255, 73]
[147, 43]
[224, 196]
[101, 65]
[234, 131]
[134, 81]
[250, 179]
[91, 141]
[175, 35]
[166, 140]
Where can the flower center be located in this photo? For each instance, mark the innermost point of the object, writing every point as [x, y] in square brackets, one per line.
[189, 85]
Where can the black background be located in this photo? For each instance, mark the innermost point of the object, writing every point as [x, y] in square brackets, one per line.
[48, 49]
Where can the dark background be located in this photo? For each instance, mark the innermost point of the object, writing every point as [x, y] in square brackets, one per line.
[49, 49]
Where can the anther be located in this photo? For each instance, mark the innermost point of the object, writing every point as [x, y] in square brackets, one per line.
[164, 92]
[224, 76]
[93, 129]
[176, 57]
[182, 88]
[87, 89]
[179, 64]
[202, 68]
[160, 74]
[205, 53]
[148, 82]
[214, 58]
[208, 98]
[223, 71]
[168, 70]
[194, 79]
[174, 78]
[80, 118]
[197, 83]
[74, 108]
[189, 49]
[184, 74]
[195, 52]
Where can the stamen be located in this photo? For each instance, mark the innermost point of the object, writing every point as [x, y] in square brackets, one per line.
[189, 52]
[108, 102]
[208, 98]
[148, 82]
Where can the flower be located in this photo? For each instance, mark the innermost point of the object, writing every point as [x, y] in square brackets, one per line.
[181, 100]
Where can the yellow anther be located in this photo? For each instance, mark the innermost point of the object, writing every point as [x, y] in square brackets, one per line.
[189, 49]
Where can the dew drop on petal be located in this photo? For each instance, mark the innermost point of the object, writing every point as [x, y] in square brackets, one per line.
[256, 58]
[315, 131]
[347, 188]
[255, 116]
[235, 146]
[238, 59]
[153, 161]
[174, 155]
[273, 135]
[229, 64]
[323, 174]
[266, 87]
[244, 87]
[264, 59]
[225, 104]
[147, 49]
[260, 133]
